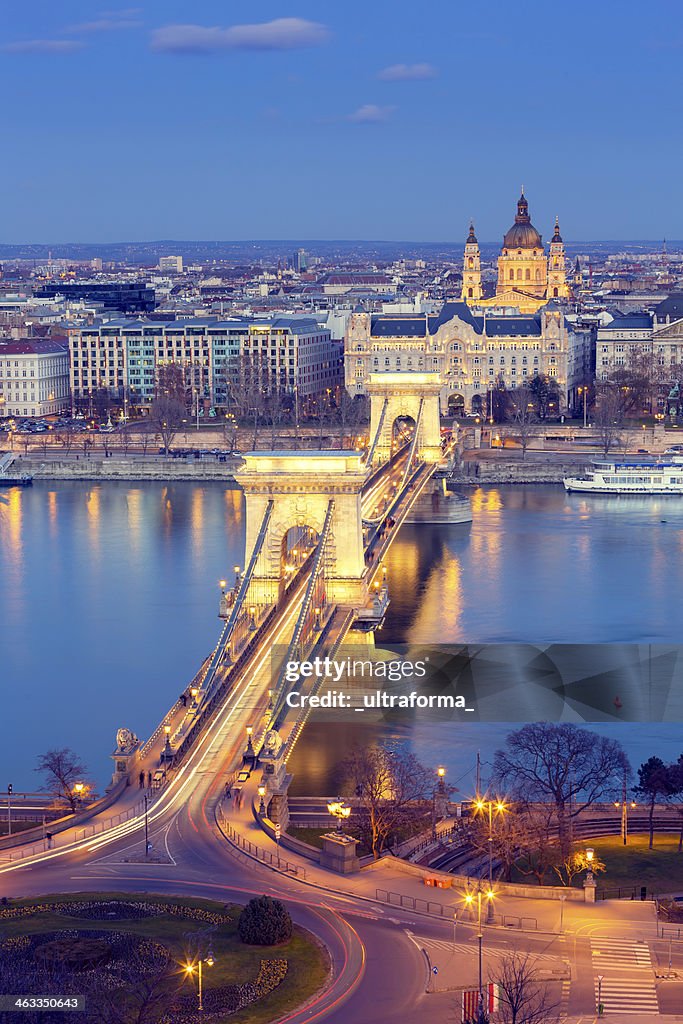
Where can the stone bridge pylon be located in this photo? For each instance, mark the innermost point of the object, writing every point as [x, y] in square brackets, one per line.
[301, 486]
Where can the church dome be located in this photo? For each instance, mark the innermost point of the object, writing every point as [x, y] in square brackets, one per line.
[522, 234]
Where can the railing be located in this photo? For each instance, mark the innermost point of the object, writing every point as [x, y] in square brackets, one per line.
[316, 569]
[623, 892]
[245, 583]
[273, 860]
[378, 432]
[81, 832]
[397, 899]
[413, 446]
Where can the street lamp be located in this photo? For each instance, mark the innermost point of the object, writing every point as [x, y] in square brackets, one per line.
[469, 900]
[250, 745]
[500, 808]
[262, 805]
[600, 1006]
[338, 809]
[190, 969]
[439, 790]
[590, 853]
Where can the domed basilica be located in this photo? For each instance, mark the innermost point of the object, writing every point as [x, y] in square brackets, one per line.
[528, 277]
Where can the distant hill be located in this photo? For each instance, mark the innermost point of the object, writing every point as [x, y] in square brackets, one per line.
[148, 253]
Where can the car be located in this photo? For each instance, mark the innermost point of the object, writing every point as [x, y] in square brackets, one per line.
[674, 449]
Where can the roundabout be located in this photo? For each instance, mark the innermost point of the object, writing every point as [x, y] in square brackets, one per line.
[141, 959]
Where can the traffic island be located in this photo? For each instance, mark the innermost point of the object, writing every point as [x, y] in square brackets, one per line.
[168, 960]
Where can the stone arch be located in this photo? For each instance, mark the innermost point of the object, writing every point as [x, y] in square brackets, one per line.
[456, 404]
[300, 485]
[477, 403]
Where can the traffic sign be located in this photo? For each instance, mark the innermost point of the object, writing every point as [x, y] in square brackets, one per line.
[277, 831]
[435, 970]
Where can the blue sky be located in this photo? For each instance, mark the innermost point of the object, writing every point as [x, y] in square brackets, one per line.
[375, 120]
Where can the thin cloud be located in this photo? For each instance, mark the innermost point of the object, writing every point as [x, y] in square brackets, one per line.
[407, 73]
[370, 113]
[43, 46]
[280, 34]
[127, 12]
[104, 25]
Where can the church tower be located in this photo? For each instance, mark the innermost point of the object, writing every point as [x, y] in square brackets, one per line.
[558, 287]
[471, 269]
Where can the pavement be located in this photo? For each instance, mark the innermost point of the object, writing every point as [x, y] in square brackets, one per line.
[571, 947]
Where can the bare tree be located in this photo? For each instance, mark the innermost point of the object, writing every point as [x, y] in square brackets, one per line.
[523, 998]
[524, 416]
[609, 418]
[392, 787]
[62, 770]
[65, 438]
[576, 863]
[166, 416]
[569, 767]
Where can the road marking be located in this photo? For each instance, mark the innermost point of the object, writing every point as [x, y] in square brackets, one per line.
[627, 985]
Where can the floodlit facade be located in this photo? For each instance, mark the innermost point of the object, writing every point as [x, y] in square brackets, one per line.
[471, 354]
[34, 377]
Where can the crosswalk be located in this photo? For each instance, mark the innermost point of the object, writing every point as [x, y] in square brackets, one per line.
[624, 980]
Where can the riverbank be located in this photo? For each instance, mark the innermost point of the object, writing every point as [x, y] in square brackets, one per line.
[510, 468]
[131, 467]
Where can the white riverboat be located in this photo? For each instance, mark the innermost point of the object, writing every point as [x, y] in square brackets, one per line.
[630, 476]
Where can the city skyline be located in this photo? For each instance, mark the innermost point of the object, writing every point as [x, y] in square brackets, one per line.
[171, 122]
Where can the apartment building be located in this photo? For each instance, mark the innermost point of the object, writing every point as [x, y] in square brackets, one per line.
[34, 377]
[124, 356]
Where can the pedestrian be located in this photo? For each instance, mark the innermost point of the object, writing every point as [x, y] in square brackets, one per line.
[149, 780]
[142, 779]
[228, 791]
[183, 698]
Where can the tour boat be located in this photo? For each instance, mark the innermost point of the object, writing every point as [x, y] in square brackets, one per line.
[612, 476]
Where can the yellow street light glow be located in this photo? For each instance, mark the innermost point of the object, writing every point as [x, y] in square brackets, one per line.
[262, 791]
[222, 584]
[490, 894]
[189, 968]
[167, 729]
[469, 897]
[78, 787]
[500, 807]
[441, 771]
[589, 854]
[480, 805]
[250, 729]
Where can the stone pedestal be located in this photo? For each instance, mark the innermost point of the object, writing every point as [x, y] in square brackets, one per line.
[339, 853]
[589, 889]
[124, 765]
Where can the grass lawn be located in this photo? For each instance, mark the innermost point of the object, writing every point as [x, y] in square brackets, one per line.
[313, 836]
[308, 964]
[660, 869]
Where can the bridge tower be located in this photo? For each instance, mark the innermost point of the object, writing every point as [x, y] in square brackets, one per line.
[415, 395]
[305, 488]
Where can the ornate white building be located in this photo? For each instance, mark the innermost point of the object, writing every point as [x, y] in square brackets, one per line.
[471, 353]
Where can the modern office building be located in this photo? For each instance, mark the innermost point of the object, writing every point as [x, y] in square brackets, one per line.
[34, 377]
[129, 297]
[171, 264]
[216, 356]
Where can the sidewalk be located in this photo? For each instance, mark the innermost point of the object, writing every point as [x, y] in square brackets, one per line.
[389, 883]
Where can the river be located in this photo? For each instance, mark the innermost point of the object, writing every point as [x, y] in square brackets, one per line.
[109, 599]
